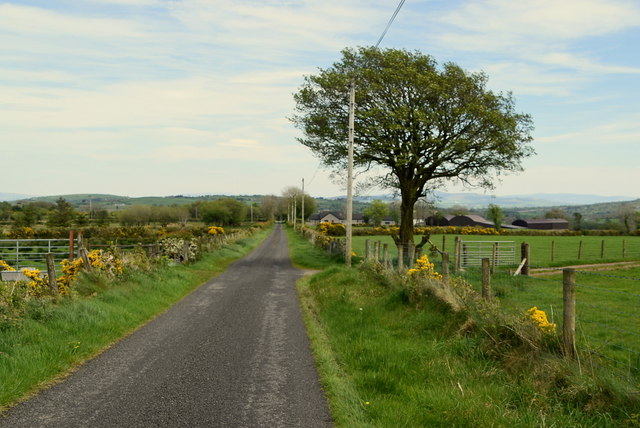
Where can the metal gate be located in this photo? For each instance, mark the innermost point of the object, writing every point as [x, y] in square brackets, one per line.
[21, 253]
[500, 253]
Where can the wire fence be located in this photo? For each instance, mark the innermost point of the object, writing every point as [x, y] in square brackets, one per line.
[607, 310]
[607, 303]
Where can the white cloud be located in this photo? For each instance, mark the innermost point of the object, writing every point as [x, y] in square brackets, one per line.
[42, 22]
[545, 19]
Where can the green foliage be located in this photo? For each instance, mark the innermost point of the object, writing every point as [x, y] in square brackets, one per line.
[376, 212]
[223, 212]
[422, 125]
[62, 215]
[496, 215]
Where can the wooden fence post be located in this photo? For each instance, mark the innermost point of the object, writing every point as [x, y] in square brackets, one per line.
[524, 255]
[367, 249]
[602, 250]
[569, 312]
[82, 252]
[456, 254]
[445, 268]
[580, 250]
[494, 258]
[385, 255]
[553, 250]
[624, 248]
[400, 258]
[51, 272]
[376, 251]
[444, 241]
[486, 279]
[71, 244]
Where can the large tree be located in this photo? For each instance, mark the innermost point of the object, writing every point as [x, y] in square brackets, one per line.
[416, 124]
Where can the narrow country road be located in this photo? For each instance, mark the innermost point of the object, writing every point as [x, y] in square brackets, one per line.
[234, 353]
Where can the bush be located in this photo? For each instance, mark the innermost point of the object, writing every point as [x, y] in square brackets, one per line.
[332, 229]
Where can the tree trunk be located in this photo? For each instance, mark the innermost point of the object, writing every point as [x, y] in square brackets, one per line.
[406, 221]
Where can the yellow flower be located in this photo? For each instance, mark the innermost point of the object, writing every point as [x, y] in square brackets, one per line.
[5, 266]
[424, 267]
[540, 320]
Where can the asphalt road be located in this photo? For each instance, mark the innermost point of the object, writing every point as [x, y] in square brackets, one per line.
[234, 353]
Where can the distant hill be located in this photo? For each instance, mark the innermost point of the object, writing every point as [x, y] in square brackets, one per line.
[9, 197]
[478, 200]
[115, 202]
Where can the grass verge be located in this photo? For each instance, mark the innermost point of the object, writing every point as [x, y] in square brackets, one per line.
[386, 360]
[54, 339]
[306, 256]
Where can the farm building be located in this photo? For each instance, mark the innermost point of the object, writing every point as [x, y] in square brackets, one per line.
[333, 217]
[543, 223]
[470, 220]
[438, 220]
[388, 221]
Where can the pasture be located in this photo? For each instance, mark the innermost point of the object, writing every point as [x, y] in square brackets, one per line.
[607, 297]
[607, 310]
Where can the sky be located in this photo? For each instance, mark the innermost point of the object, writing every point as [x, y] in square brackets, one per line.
[167, 97]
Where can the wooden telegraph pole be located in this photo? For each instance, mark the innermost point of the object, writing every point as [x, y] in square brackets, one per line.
[302, 227]
[352, 105]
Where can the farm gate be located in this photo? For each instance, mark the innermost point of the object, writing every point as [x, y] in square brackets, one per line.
[500, 253]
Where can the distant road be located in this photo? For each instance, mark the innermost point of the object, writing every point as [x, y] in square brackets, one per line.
[234, 353]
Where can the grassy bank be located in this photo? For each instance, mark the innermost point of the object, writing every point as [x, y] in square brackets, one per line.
[387, 360]
[57, 336]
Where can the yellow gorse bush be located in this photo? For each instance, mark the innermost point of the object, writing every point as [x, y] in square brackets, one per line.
[5, 266]
[70, 271]
[37, 282]
[215, 230]
[540, 320]
[424, 268]
[332, 229]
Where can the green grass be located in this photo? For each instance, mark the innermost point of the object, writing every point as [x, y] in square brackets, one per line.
[565, 251]
[306, 256]
[56, 338]
[387, 363]
[607, 304]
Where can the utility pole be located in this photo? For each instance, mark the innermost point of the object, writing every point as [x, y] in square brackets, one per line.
[302, 227]
[295, 210]
[352, 105]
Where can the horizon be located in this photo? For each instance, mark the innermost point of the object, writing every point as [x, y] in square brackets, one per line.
[143, 97]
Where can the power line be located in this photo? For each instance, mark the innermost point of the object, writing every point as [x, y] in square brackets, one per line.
[390, 22]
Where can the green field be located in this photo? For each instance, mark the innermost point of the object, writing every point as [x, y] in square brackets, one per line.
[565, 248]
[607, 316]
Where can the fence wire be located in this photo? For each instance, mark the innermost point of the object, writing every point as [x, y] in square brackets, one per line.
[607, 310]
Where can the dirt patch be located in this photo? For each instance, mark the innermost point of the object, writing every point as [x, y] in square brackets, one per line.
[589, 267]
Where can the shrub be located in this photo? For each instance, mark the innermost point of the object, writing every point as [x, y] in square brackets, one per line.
[332, 229]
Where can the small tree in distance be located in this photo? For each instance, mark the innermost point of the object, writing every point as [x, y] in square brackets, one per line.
[495, 214]
[376, 212]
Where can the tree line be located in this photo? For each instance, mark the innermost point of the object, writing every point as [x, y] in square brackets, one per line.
[223, 211]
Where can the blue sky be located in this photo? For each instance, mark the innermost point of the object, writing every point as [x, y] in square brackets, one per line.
[162, 97]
